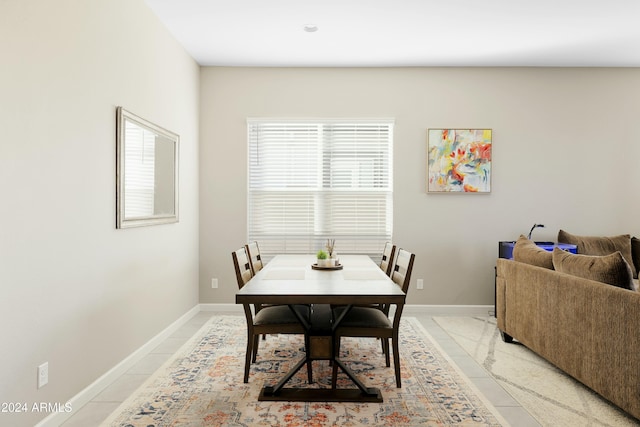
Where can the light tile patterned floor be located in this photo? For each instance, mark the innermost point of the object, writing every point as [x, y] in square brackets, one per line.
[93, 413]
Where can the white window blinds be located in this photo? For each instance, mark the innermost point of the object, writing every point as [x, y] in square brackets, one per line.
[311, 180]
[139, 168]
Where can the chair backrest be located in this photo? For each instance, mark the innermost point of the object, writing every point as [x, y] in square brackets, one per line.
[243, 267]
[386, 262]
[254, 256]
[401, 273]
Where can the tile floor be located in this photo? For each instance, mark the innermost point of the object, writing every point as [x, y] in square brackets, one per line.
[94, 412]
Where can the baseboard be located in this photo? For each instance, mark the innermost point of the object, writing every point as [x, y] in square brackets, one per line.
[447, 310]
[95, 388]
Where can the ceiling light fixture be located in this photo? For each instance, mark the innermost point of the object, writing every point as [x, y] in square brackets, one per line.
[310, 28]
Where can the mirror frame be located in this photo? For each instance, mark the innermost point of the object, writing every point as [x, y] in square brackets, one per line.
[123, 116]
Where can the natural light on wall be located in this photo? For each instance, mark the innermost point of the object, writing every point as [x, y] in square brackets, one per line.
[312, 180]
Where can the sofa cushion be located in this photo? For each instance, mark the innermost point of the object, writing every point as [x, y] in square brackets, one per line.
[527, 251]
[595, 245]
[611, 269]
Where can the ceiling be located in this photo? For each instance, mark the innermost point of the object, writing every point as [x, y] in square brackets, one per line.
[389, 33]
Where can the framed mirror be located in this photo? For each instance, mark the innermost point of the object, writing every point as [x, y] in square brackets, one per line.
[147, 172]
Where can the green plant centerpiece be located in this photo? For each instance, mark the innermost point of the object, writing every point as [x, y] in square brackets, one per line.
[322, 258]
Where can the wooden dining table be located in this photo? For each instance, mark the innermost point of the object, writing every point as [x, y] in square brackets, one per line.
[294, 279]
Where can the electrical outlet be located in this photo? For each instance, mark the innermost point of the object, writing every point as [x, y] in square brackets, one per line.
[214, 283]
[43, 374]
[420, 284]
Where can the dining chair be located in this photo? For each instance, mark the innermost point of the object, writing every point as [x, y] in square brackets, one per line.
[375, 323]
[277, 319]
[242, 265]
[386, 262]
[255, 259]
[401, 273]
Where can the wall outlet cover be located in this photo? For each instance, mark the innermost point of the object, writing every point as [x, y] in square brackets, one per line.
[43, 374]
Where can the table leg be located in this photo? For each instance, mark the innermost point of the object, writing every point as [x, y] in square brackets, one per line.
[366, 391]
[275, 389]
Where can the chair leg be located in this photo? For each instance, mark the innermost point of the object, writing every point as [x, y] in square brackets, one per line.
[307, 346]
[385, 349]
[396, 360]
[247, 359]
[334, 372]
[256, 342]
[309, 371]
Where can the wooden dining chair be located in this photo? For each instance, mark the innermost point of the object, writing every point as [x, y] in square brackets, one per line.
[401, 273]
[242, 265]
[278, 319]
[255, 259]
[375, 323]
[386, 262]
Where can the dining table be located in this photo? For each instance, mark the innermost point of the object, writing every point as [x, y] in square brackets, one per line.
[292, 279]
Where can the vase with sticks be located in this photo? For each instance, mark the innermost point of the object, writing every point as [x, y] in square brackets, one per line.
[331, 252]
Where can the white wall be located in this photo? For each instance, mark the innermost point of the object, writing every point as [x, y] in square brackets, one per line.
[74, 291]
[565, 155]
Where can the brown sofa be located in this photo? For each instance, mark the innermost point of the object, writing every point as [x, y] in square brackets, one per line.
[587, 328]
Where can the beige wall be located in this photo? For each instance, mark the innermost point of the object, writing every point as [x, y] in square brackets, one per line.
[565, 155]
[74, 291]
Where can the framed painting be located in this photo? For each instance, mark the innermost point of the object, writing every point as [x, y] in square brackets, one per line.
[459, 160]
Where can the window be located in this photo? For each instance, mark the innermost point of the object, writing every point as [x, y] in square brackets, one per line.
[311, 180]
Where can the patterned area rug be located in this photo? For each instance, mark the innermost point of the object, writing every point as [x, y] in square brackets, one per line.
[202, 385]
[551, 396]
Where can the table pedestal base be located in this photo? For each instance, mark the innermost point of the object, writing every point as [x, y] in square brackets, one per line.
[320, 395]
[294, 394]
[319, 345]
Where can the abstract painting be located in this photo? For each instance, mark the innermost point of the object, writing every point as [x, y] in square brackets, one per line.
[459, 161]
